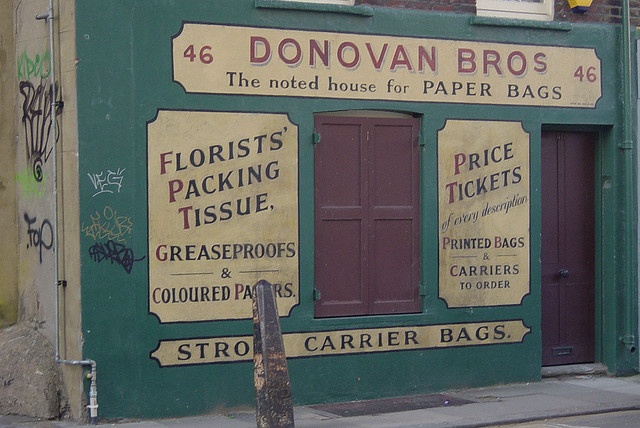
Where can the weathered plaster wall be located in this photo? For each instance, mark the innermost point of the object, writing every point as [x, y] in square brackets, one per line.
[68, 213]
[46, 159]
[32, 376]
[34, 169]
[8, 259]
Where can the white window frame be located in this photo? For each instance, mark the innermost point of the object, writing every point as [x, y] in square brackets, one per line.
[340, 2]
[516, 9]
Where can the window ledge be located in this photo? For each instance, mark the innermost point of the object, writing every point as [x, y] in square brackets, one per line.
[336, 8]
[525, 23]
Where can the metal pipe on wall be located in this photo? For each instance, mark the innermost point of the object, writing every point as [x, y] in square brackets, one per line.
[628, 338]
[637, 45]
[93, 389]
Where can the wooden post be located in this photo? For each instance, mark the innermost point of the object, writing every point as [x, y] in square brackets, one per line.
[274, 403]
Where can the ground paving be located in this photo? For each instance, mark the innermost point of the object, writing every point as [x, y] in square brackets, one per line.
[563, 395]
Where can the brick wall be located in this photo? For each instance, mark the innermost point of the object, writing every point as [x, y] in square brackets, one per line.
[600, 11]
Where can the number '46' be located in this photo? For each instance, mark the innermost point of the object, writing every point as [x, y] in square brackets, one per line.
[204, 54]
[588, 73]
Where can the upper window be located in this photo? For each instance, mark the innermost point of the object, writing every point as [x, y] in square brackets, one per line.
[342, 2]
[367, 215]
[539, 10]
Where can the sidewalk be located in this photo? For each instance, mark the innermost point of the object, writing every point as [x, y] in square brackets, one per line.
[551, 397]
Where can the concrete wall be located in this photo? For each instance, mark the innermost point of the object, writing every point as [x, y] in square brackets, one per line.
[35, 175]
[8, 259]
[46, 175]
[68, 212]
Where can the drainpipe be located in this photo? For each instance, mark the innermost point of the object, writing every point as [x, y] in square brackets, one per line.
[627, 146]
[93, 389]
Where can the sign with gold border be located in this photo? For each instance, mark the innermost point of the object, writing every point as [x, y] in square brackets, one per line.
[230, 349]
[483, 206]
[241, 60]
[223, 213]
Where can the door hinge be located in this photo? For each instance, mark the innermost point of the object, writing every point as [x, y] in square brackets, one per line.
[61, 282]
[316, 294]
[316, 137]
[625, 145]
[423, 290]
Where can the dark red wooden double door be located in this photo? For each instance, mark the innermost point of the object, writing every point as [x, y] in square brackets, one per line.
[367, 216]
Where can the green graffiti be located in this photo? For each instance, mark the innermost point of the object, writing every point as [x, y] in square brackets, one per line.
[30, 67]
[31, 188]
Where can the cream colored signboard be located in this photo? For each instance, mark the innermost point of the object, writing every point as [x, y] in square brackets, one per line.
[214, 350]
[223, 213]
[224, 59]
[483, 186]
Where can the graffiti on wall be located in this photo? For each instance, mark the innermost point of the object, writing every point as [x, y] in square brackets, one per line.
[110, 230]
[40, 234]
[36, 66]
[37, 92]
[36, 122]
[36, 99]
[107, 182]
[30, 187]
[114, 252]
[108, 224]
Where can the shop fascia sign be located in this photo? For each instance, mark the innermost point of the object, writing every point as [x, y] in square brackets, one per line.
[241, 60]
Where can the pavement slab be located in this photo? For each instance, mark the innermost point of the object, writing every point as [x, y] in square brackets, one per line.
[479, 407]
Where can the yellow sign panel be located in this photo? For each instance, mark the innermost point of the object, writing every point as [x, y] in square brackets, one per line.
[222, 59]
[223, 213]
[483, 186]
[214, 350]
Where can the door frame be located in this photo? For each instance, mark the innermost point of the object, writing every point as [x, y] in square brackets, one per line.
[604, 243]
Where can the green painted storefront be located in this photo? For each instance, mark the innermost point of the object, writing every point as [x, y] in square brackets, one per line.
[125, 84]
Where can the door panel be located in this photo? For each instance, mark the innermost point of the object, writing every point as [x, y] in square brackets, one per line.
[340, 219]
[568, 248]
[339, 267]
[394, 287]
[367, 222]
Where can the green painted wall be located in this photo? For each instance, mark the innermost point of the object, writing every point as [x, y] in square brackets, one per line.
[125, 75]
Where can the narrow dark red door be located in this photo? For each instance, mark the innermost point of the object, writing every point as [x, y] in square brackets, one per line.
[568, 242]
